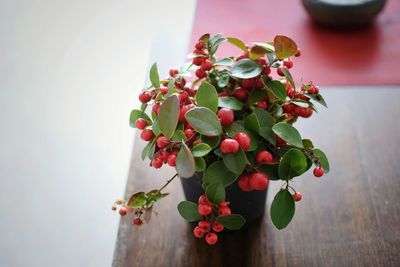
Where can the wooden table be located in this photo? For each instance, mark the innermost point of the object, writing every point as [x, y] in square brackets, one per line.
[350, 217]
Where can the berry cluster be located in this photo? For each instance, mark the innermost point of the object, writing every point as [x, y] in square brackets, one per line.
[210, 211]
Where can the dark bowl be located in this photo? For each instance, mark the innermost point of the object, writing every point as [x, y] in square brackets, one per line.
[343, 13]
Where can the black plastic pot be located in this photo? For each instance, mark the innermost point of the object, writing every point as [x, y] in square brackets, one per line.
[251, 205]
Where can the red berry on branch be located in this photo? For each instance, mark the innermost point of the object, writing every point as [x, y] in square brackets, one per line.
[280, 141]
[189, 133]
[318, 171]
[244, 140]
[223, 94]
[288, 64]
[241, 94]
[248, 84]
[279, 71]
[290, 92]
[203, 200]
[137, 221]
[224, 204]
[144, 97]
[288, 108]
[157, 163]
[266, 71]
[147, 135]
[197, 61]
[163, 155]
[199, 45]
[183, 96]
[204, 209]
[297, 196]
[198, 232]
[123, 211]
[217, 227]
[211, 238]
[298, 53]
[173, 72]
[307, 112]
[224, 210]
[156, 108]
[204, 225]
[243, 183]
[226, 116]
[207, 64]
[264, 157]
[140, 123]
[229, 146]
[162, 142]
[259, 84]
[164, 90]
[198, 51]
[259, 181]
[171, 160]
[200, 73]
[262, 105]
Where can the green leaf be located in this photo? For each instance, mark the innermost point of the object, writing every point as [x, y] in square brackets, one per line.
[258, 51]
[251, 123]
[185, 164]
[292, 164]
[218, 173]
[136, 114]
[201, 150]
[266, 122]
[237, 127]
[148, 150]
[179, 135]
[200, 164]
[226, 61]
[171, 86]
[256, 95]
[154, 77]
[235, 162]
[238, 43]
[207, 96]
[215, 193]
[282, 209]
[156, 128]
[276, 87]
[137, 200]
[318, 98]
[288, 76]
[212, 141]
[222, 80]
[230, 102]
[288, 133]
[246, 69]
[232, 222]
[302, 103]
[267, 46]
[168, 115]
[307, 143]
[284, 47]
[271, 169]
[204, 121]
[214, 42]
[188, 211]
[323, 159]
[205, 37]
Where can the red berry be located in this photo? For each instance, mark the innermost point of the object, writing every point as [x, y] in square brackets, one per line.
[318, 171]
[241, 94]
[144, 97]
[248, 84]
[183, 96]
[205, 225]
[245, 55]
[224, 210]
[173, 72]
[183, 111]
[199, 45]
[288, 108]
[298, 53]
[123, 211]
[297, 196]
[223, 204]
[264, 157]
[198, 232]
[163, 155]
[258, 181]
[137, 221]
[189, 133]
[223, 94]
[157, 163]
[156, 108]
[171, 160]
[259, 84]
[147, 135]
[164, 90]
[226, 116]
[266, 71]
[204, 209]
[229, 146]
[244, 183]
[307, 112]
[279, 71]
[217, 227]
[288, 64]
[262, 105]
[290, 92]
[244, 140]
[200, 73]
[162, 142]
[211, 238]
[207, 64]
[203, 200]
[280, 141]
[140, 123]
[197, 61]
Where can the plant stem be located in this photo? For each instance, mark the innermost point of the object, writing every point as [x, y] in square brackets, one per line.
[167, 183]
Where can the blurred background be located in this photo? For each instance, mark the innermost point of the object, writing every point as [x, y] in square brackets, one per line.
[69, 76]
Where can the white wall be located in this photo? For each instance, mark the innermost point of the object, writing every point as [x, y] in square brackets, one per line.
[69, 75]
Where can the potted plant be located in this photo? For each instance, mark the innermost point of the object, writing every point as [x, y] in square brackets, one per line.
[228, 131]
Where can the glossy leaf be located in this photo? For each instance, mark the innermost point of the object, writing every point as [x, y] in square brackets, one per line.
[323, 159]
[318, 98]
[205, 37]
[246, 69]
[288, 133]
[185, 164]
[235, 162]
[292, 164]
[137, 200]
[204, 121]
[238, 43]
[266, 122]
[215, 193]
[307, 143]
[201, 150]
[148, 150]
[212, 141]
[188, 211]
[154, 77]
[207, 96]
[200, 164]
[218, 173]
[168, 115]
[288, 76]
[276, 87]
[136, 114]
[232, 221]
[156, 128]
[258, 51]
[282, 209]
[271, 169]
[227, 61]
[230, 102]
[256, 95]
[284, 47]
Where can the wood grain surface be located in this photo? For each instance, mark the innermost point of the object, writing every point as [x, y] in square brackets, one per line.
[350, 217]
